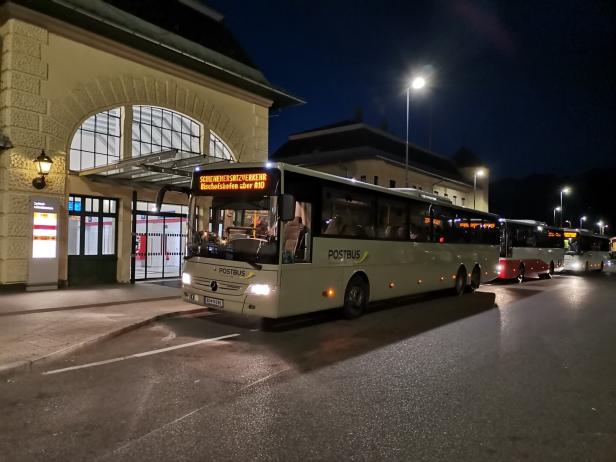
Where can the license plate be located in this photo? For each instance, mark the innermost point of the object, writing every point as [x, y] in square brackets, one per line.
[215, 302]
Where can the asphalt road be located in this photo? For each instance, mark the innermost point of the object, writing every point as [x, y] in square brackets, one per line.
[514, 372]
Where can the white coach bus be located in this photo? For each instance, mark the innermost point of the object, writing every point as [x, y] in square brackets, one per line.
[275, 240]
[530, 248]
[585, 250]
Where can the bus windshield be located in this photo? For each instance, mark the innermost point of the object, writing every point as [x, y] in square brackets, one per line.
[240, 229]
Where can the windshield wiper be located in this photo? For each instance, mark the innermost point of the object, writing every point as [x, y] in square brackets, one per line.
[254, 264]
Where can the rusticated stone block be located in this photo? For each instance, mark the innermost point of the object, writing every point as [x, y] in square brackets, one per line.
[22, 44]
[28, 138]
[21, 81]
[59, 113]
[16, 203]
[57, 146]
[17, 225]
[53, 127]
[19, 158]
[14, 270]
[19, 118]
[21, 100]
[16, 247]
[24, 63]
[29, 30]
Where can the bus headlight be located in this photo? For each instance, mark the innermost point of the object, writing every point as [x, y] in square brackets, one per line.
[186, 279]
[575, 266]
[258, 289]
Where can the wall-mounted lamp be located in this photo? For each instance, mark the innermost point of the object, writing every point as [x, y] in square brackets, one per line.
[43, 165]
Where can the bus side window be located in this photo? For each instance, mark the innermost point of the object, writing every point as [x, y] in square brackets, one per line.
[419, 220]
[297, 235]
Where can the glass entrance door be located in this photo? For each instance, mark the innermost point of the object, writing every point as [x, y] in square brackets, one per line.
[160, 239]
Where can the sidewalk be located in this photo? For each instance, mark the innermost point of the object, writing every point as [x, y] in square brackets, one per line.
[38, 325]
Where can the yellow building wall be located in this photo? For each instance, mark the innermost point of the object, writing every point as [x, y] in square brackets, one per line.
[51, 81]
[387, 171]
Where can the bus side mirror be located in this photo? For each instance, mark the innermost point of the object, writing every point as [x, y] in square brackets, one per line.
[286, 207]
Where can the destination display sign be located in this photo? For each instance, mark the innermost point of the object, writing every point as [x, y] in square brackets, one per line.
[232, 182]
[570, 234]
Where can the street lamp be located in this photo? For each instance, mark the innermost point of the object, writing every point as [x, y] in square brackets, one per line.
[556, 209]
[582, 219]
[416, 84]
[43, 165]
[478, 173]
[565, 190]
[600, 225]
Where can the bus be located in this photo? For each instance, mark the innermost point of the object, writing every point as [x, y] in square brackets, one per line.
[275, 240]
[585, 250]
[530, 248]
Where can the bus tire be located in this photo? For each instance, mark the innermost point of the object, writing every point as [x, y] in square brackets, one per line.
[356, 297]
[521, 272]
[600, 270]
[460, 286]
[587, 267]
[475, 280]
[551, 273]
[268, 324]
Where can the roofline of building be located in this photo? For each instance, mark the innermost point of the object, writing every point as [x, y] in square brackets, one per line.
[27, 9]
[424, 172]
[358, 126]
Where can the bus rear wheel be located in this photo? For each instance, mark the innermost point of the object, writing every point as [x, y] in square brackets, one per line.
[520, 277]
[458, 289]
[587, 267]
[355, 298]
[551, 268]
[600, 270]
[475, 280]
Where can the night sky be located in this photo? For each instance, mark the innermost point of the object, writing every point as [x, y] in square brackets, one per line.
[528, 86]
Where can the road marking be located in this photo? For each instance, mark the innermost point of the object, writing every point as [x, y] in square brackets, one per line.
[140, 355]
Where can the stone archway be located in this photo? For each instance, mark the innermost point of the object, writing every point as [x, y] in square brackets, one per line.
[66, 115]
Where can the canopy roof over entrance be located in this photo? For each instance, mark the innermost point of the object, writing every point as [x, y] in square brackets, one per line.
[158, 168]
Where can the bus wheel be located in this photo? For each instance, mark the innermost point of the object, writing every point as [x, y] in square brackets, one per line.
[551, 268]
[586, 268]
[600, 270]
[458, 289]
[475, 280]
[355, 298]
[520, 277]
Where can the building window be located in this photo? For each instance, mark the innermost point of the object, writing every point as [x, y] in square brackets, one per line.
[219, 149]
[436, 192]
[363, 178]
[446, 195]
[156, 129]
[420, 188]
[97, 141]
[463, 199]
[392, 183]
[414, 187]
[454, 199]
[376, 180]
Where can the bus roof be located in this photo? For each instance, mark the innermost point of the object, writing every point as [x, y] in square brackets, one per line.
[525, 222]
[400, 192]
[586, 232]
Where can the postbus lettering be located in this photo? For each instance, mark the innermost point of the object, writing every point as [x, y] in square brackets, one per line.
[340, 254]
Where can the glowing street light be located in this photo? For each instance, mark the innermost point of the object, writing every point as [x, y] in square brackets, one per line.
[582, 220]
[478, 173]
[417, 83]
[565, 190]
[556, 209]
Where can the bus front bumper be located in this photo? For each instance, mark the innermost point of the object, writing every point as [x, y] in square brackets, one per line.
[264, 306]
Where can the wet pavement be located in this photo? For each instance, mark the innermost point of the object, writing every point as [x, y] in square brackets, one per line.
[513, 372]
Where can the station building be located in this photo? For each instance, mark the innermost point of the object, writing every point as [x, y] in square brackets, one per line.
[123, 97]
[353, 149]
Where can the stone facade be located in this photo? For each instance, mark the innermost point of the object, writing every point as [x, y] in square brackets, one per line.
[52, 81]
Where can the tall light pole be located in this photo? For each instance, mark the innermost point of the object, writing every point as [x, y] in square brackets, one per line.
[478, 173]
[565, 190]
[556, 209]
[600, 225]
[582, 219]
[416, 84]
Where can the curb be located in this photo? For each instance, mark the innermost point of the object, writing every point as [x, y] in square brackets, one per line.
[83, 307]
[27, 365]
